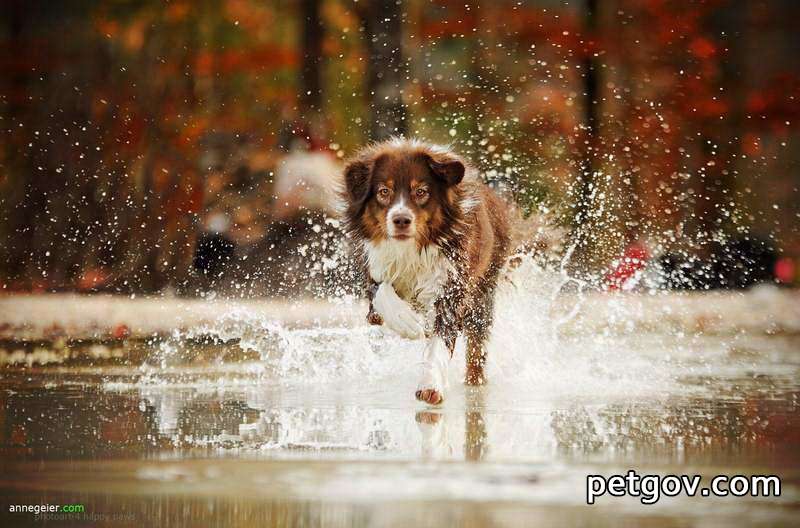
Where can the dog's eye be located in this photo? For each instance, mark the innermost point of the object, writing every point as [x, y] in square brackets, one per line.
[383, 191]
[421, 192]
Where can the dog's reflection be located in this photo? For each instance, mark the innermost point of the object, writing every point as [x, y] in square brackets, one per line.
[434, 428]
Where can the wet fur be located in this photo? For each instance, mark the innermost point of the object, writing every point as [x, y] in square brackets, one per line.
[448, 272]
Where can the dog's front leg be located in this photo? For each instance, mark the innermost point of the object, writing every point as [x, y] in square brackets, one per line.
[439, 348]
[435, 360]
[396, 313]
[373, 317]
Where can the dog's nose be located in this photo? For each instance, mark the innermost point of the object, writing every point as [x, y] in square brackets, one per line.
[401, 221]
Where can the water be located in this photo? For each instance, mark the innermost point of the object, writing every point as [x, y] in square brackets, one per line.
[248, 422]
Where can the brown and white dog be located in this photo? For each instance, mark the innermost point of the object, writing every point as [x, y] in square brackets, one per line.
[431, 239]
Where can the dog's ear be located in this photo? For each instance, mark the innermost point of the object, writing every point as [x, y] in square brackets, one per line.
[357, 179]
[448, 169]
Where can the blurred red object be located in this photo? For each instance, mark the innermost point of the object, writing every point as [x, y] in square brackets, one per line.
[92, 278]
[702, 48]
[633, 260]
[121, 331]
[785, 270]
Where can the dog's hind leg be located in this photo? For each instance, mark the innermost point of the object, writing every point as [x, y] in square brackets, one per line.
[476, 359]
[477, 325]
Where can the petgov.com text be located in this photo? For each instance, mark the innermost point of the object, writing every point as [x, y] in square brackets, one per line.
[650, 488]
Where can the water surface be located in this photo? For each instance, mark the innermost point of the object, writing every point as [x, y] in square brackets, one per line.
[249, 423]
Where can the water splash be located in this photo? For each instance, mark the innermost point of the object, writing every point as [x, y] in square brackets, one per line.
[537, 350]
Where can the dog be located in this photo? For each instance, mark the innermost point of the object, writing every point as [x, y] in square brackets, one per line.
[430, 239]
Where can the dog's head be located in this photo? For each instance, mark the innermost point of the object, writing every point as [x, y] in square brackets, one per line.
[403, 190]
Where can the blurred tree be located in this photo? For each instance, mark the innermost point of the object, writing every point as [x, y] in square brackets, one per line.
[386, 71]
[586, 203]
[313, 34]
[655, 119]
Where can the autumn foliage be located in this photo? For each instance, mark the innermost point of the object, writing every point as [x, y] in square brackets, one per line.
[122, 121]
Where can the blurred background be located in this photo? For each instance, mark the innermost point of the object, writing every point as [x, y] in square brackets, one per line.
[193, 146]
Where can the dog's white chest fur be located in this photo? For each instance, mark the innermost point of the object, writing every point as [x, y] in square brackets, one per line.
[416, 275]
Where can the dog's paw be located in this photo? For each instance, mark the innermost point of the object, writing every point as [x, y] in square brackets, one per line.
[425, 418]
[431, 387]
[396, 313]
[433, 435]
[374, 318]
[430, 396]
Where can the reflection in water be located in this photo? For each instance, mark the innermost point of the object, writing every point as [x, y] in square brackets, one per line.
[476, 444]
[434, 437]
[82, 422]
[132, 511]
[211, 439]
[75, 423]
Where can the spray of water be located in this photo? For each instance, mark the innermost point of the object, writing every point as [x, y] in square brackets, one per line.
[538, 349]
